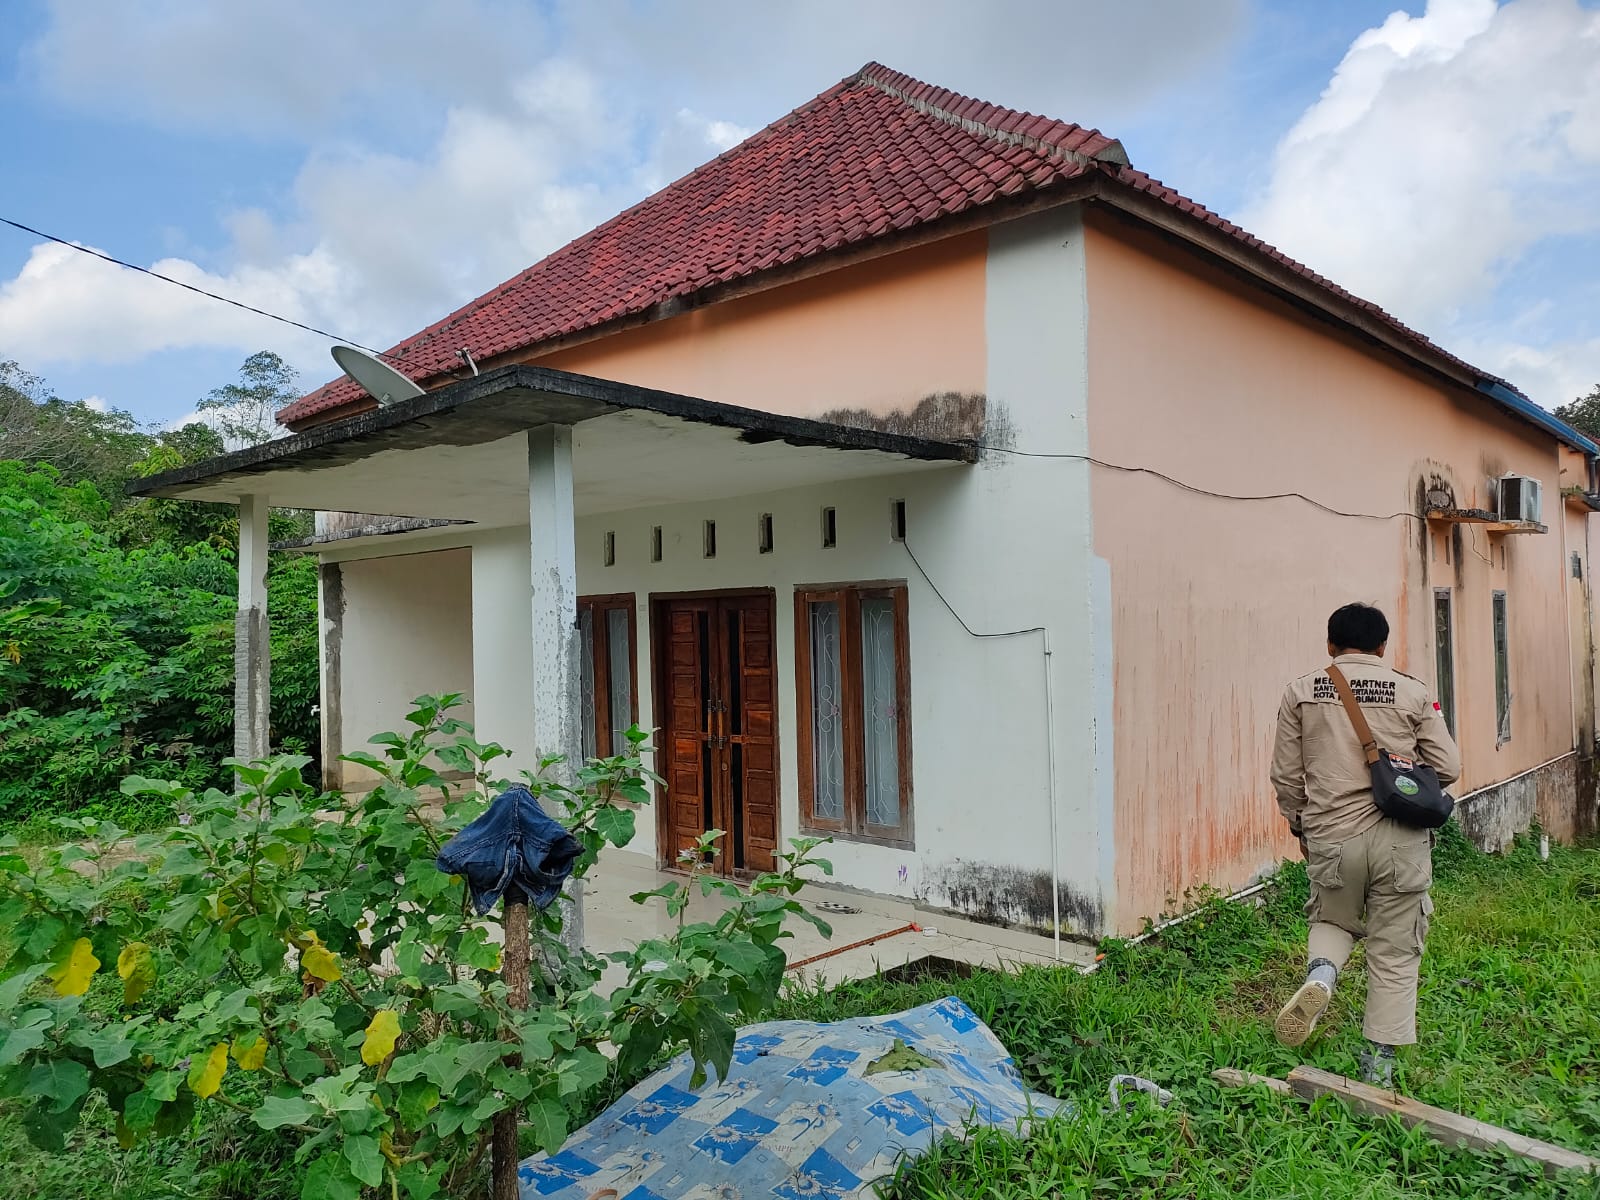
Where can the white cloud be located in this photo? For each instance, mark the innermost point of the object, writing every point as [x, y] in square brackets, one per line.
[449, 146]
[68, 307]
[97, 404]
[1445, 148]
[195, 417]
[285, 67]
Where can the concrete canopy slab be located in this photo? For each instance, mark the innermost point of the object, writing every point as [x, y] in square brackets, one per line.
[460, 453]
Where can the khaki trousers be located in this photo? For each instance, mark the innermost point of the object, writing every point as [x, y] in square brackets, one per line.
[1375, 885]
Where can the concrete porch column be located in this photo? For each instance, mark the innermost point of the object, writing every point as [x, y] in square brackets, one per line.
[552, 541]
[252, 654]
[525, 629]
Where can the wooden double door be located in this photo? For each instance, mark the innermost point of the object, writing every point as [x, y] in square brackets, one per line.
[715, 679]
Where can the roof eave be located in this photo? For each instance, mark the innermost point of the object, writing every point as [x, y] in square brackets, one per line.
[570, 399]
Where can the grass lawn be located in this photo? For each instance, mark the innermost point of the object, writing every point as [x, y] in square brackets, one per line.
[1510, 1021]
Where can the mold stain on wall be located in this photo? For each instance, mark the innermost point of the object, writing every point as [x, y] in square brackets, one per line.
[1010, 896]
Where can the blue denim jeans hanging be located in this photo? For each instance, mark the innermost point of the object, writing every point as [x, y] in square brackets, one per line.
[513, 849]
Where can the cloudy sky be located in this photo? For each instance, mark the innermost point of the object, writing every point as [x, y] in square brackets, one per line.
[368, 165]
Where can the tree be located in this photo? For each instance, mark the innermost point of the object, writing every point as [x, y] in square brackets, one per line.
[1583, 414]
[245, 413]
[37, 426]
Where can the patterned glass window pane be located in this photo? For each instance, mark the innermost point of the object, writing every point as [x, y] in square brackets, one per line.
[586, 681]
[827, 714]
[619, 663]
[880, 711]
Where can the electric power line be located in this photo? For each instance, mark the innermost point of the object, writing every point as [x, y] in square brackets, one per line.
[1200, 491]
[250, 308]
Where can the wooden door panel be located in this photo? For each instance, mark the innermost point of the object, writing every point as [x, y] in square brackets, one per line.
[686, 735]
[756, 720]
[716, 671]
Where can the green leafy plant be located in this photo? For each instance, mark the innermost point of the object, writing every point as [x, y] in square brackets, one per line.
[118, 661]
[340, 990]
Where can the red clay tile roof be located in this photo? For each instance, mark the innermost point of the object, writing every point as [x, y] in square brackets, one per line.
[879, 154]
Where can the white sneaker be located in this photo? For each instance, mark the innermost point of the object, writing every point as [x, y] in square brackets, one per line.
[1300, 1016]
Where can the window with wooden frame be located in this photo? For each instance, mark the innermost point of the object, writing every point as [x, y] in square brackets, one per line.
[852, 673]
[608, 687]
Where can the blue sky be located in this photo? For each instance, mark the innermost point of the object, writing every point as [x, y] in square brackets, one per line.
[367, 166]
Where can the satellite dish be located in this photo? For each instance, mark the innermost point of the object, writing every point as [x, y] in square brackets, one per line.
[376, 377]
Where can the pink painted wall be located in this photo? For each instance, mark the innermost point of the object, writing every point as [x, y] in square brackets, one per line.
[881, 336]
[1217, 603]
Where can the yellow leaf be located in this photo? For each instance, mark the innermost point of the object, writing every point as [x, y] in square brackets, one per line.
[252, 1054]
[137, 969]
[321, 963]
[381, 1035]
[206, 1077]
[72, 976]
[12, 651]
[125, 1136]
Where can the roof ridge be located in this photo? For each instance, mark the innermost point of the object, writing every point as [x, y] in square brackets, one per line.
[942, 104]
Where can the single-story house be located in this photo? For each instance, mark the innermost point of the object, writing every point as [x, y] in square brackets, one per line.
[926, 475]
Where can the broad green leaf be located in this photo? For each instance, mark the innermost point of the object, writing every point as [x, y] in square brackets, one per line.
[175, 1116]
[491, 1104]
[418, 1098]
[30, 1033]
[339, 1093]
[365, 1159]
[548, 1121]
[742, 958]
[12, 989]
[48, 1128]
[140, 1110]
[61, 1081]
[163, 1085]
[381, 1034]
[411, 1066]
[580, 1070]
[42, 938]
[616, 825]
[205, 1076]
[330, 1178]
[277, 1111]
[137, 969]
[109, 1044]
[420, 1182]
[408, 957]
[72, 974]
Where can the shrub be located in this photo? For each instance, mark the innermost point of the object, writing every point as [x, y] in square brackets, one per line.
[348, 998]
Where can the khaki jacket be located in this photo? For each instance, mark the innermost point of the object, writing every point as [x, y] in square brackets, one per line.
[1323, 785]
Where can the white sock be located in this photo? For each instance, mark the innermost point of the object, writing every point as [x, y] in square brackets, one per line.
[1324, 972]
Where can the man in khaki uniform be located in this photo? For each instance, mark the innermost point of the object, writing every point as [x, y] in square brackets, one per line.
[1361, 863]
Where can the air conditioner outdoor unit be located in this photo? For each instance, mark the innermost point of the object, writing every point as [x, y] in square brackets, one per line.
[1521, 498]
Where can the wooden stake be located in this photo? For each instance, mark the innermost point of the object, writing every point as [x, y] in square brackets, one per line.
[514, 968]
[1451, 1128]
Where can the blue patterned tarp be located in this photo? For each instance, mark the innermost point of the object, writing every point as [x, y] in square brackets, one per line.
[797, 1117]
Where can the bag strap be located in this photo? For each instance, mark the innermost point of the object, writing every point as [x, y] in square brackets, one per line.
[1369, 744]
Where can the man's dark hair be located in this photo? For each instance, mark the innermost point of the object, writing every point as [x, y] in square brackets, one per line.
[1358, 627]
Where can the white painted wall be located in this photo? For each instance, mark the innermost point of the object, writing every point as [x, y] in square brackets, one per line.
[1008, 542]
[406, 631]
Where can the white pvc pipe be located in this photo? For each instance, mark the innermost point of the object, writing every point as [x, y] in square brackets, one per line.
[1488, 787]
[1055, 845]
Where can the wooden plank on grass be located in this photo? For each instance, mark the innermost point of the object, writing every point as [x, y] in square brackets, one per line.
[1228, 1077]
[1451, 1128]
